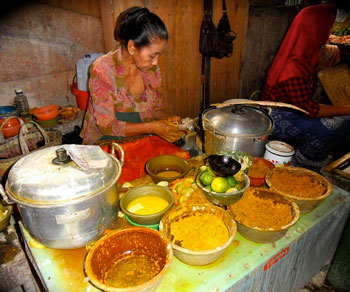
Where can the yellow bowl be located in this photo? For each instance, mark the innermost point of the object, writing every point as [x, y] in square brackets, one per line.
[129, 260]
[193, 257]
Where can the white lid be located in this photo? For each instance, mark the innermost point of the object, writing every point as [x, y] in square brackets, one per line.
[19, 90]
[280, 148]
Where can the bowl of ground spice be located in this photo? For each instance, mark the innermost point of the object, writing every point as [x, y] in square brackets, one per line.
[305, 187]
[259, 168]
[199, 233]
[264, 216]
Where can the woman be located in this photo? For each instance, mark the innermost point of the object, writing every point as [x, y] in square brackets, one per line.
[291, 79]
[125, 84]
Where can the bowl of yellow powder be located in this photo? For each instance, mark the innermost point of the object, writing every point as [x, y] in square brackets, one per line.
[199, 233]
[145, 205]
[264, 216]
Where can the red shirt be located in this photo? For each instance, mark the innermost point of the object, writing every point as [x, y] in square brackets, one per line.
[296, 91]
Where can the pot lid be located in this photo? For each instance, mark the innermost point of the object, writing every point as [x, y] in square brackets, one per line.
[42, 178]
[238, 121]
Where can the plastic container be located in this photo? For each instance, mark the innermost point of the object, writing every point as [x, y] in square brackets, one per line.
[82, 68]
[279, 153]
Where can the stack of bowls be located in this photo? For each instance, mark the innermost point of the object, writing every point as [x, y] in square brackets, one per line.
[10, 126]
[47, 116]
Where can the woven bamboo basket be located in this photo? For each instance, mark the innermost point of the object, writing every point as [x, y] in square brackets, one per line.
[29, 139]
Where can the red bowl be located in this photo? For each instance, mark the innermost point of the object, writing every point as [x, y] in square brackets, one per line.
[10, 128]
[259, 181]
[45, 113]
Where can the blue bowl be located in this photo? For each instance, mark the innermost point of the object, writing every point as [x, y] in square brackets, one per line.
[8, 111]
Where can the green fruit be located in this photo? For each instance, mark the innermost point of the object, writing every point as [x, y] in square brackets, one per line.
[232, 181]
[219, 184]
[206, 178]
[208, 188]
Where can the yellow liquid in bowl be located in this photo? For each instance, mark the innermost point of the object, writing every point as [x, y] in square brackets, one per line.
[168, 173]
[147, 205]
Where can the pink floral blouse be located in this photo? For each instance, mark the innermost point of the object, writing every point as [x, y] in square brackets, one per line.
[109, 95]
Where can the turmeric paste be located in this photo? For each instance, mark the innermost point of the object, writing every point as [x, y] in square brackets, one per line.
[254, 210]
[258, 169]
[297, 183]
[201, 231]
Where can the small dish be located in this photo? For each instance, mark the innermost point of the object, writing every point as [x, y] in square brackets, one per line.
[223, 165]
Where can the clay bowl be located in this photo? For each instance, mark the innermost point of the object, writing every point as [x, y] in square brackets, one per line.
[258, 181]
[197, 257]
[45, 113]
[157, 167]
[129, 260]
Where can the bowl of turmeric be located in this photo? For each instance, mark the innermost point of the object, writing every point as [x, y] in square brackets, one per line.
[264, 216]
[199, 233]
[305, 187]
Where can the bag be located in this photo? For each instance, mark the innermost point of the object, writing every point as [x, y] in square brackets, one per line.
[216, 42]
[12, 149]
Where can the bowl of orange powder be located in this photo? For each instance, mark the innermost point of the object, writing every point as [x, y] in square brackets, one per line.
[264, 216]
[199, 233]
[259, 168]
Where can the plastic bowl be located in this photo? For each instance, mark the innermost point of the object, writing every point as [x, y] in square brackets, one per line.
[192, 257]
[153, 190]
[154, 226]
[223, 198]
[305, 204]
[45, 113]
[8, 111]
[145, 249]
[270, 235]
[259, 181]
[5, 215]
[10, 127]
[163, 163]
[48, 123]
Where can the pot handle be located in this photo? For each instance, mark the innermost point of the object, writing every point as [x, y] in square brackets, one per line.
[22, 140]
[116, 145]
[4, 195]
[3, 124]
[208, 125]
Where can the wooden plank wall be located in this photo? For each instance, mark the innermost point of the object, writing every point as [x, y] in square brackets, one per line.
[266, 29]
[181, 65]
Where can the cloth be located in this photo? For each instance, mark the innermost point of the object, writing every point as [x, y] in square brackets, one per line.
[298, 55]
[109, 95]
[135, 160]
[313, 139]
[294, 91]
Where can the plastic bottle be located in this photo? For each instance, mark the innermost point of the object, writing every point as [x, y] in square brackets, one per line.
[82, 68]
[22, 105]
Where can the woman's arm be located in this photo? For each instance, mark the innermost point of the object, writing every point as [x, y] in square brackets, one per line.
[328, 111]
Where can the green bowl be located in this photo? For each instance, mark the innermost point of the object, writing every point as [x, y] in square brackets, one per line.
[153, 190]
[154, 226]
[47, 123]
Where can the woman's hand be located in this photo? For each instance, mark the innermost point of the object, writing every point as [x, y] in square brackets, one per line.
[167, 129]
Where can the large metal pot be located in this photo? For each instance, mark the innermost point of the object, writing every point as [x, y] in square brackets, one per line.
[63, 205]
[236, 127]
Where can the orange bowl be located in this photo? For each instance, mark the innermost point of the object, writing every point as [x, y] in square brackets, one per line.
[10, 128]
[259, 180]
[45, 113]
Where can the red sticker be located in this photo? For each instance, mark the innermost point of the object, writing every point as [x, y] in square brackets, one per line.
[276, 258]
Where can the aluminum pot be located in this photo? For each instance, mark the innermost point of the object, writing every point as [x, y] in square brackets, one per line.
[63, 205]
[236, 127]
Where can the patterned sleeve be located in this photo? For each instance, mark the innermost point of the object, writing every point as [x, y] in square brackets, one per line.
[300, 94]
[154, 101]
[105, 102]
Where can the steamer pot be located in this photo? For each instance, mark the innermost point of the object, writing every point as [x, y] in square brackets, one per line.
[63, 205]
[236, 127]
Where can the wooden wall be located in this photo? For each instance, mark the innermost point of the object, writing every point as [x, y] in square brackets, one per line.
[40, 43]
[266, 29]
[181, 65]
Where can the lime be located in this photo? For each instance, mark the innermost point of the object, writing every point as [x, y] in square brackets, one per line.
[206, 178]
[219, 184]
[232, 181]
[208, 188]
[178, 187]
[231, 190]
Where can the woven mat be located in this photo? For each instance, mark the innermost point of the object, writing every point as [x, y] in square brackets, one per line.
[336, 83]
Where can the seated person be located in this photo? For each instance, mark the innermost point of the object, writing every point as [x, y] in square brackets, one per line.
[291, 79]
[125, 84]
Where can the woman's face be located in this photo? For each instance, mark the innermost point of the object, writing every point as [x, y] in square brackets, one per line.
[147, 57]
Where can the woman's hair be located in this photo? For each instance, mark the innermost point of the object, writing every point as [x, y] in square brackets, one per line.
[139, 25]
